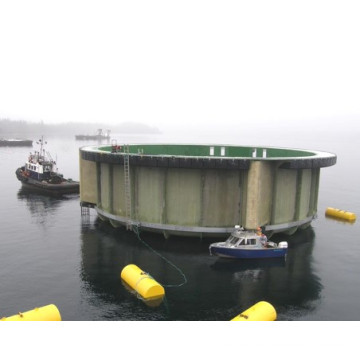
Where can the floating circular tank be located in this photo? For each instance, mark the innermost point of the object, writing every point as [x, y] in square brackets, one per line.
[202, 190]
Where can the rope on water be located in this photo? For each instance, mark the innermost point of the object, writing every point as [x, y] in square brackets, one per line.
[136, 230]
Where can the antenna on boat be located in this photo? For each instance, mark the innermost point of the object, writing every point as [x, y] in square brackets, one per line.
[41, 142]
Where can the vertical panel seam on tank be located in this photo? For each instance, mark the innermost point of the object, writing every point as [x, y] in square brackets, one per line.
[317, 182]
[312, 210]
[121, 191]
[271, 197]
[165, 202]
[298, 194]
[132, 189]
[80, 172]
[250, 187]
[136, 192]
[243, 198]
[164, 196]
[244, 183]
[98, 181]
[111, 189]
[202, 184]
[312, 187]
[274, 195]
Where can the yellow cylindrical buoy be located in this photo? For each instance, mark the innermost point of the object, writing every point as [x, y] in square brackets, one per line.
[261, 311]
[142, 283]
[45, 313]
[341, 214]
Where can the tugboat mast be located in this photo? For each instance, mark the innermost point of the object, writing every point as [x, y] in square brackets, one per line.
[41, 142]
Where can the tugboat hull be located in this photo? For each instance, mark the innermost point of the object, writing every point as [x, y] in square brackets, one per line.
[64, 187]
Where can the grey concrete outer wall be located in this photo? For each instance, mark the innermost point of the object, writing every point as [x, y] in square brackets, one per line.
[204, 201]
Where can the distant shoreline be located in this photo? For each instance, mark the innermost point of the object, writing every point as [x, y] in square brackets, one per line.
[22, 128]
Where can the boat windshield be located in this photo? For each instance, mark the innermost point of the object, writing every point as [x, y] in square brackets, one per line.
[232, 240]
[235, 240]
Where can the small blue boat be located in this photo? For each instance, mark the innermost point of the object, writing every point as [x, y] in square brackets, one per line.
[248, 244]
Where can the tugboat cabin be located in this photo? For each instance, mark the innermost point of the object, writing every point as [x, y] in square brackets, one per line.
[39, 168]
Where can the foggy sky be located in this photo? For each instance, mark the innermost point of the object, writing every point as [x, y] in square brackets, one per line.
[178, 64]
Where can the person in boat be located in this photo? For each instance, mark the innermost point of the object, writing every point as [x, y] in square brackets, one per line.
[263, 237]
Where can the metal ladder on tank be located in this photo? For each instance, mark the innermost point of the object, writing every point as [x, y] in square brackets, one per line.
[127, 185]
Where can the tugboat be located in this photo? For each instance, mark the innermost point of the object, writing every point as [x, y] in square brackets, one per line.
[40, 174]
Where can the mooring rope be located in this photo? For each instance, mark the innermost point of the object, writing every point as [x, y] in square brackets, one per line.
[136, 230]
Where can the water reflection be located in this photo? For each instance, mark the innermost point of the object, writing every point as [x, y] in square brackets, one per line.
[105, 252]
[234, 265]
[42, 208]
[216, 289]
[340, 221]
[291, 286]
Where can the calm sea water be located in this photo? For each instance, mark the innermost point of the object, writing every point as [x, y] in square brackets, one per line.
[50, 254]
